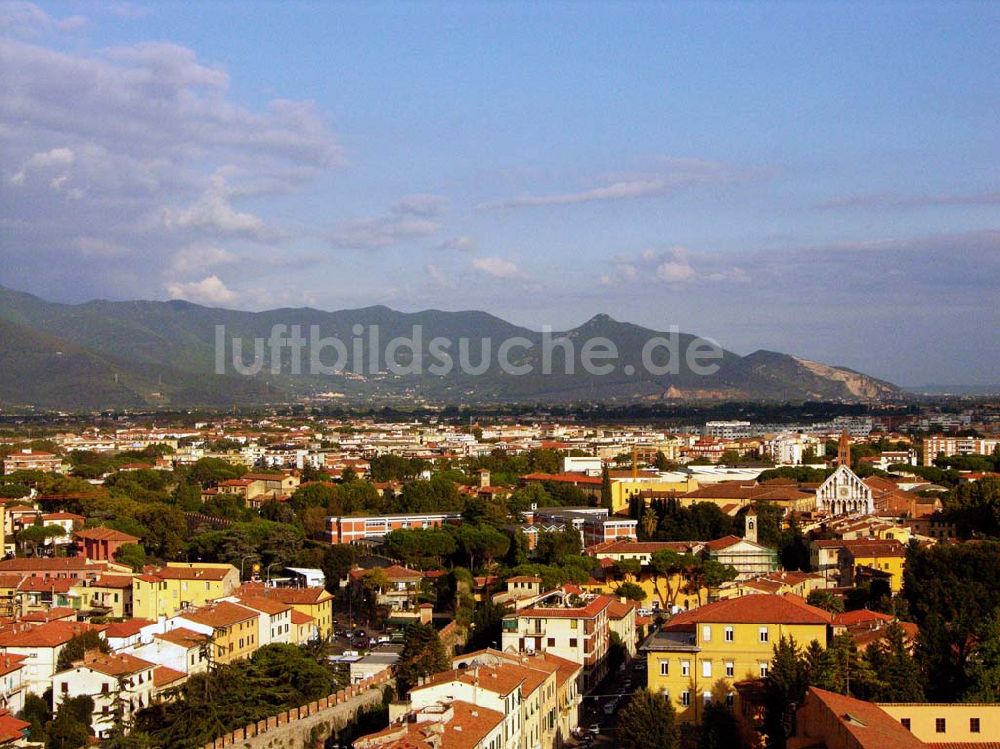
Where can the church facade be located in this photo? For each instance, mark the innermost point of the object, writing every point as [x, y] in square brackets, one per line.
[844, 493]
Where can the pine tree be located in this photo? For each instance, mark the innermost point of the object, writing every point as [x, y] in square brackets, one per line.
[606, 499]
[649, 721]
[784, 689]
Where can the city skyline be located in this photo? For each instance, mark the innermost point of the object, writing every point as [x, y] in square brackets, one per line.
[817, 180]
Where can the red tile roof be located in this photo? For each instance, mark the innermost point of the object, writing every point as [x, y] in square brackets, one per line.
[106, 534]
[50, 635]
[753, 609]
[866, 723]
[162, 675]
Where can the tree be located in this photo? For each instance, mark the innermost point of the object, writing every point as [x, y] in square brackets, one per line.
[485, 626]
[667, 565]
[784, 688]
[648, 523]
[826, 600]
[422, 655]
[36, 535]
[78, 646]
[607, 501]
[553, 546]
[631, 591]
[71, 727]
[36, 711]
[897, 675]
[719, 728]
[133, 555]
[649, 721]
[984, 663]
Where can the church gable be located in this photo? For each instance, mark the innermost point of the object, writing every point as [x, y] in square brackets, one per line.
[844, 493]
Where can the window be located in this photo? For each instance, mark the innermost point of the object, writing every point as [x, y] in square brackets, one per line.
[973, 725]
[763, 670]
[685, 668]
[664, 668]
[763, 634]
[730, 669]
[574, 623]
[552, 642]
[685, 698]
[706, 698]
[905, 722]
[706, 669]
[730, 699]
[729, 634]
[940, 725]
[572, 642]
[706, 633]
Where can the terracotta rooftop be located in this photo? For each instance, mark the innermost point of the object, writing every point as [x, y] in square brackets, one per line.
[115, 664]
[220, 615]
[106, 534]
[49, 635]
[753, 609]
[865, 722]
[162, 675]
[128, 628]
[186, 638]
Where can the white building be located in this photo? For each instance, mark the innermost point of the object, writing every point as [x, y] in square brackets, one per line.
[120, 684]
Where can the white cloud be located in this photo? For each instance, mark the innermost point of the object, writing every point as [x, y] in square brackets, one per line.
[97, 247]
[675, 269]
[141, 146]
[675, 266]
[213, 212]
[497, 267]
[667, 176]
[28, 20]
[198, 258]
[899, 200]
[437, 278]
[209, 290]
[411, 218]
[461, 243]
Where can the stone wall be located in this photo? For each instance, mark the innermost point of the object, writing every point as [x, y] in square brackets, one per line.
[308, 726]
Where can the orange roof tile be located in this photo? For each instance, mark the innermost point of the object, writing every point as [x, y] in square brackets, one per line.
[753, 609]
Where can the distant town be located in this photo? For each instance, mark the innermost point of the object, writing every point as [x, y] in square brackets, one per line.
[486, 583]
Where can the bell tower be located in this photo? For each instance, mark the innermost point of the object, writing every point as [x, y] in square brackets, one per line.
[750, 532]
[844, 450]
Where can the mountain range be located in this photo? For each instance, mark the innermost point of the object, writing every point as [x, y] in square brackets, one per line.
[103, 354]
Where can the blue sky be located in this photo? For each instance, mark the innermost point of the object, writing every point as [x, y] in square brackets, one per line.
[815, 178]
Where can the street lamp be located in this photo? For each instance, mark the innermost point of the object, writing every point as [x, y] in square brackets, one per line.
[268, 576]
[242, 560]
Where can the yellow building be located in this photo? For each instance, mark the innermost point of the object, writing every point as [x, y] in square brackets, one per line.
[164, 591]
[234, 629]
[314, 602]
[866, 559]
[836, 721]
[111, 592]
[726, 641]
[623, 489]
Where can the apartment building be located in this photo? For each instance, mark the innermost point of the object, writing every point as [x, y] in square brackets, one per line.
[567, 625]
[497, 689]
[120, 684]
[164, 591]
[233, 629]
[40, 646]
[453, 724]
[729, 640]
[947, 446]
[32, 460]
[349, 529]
